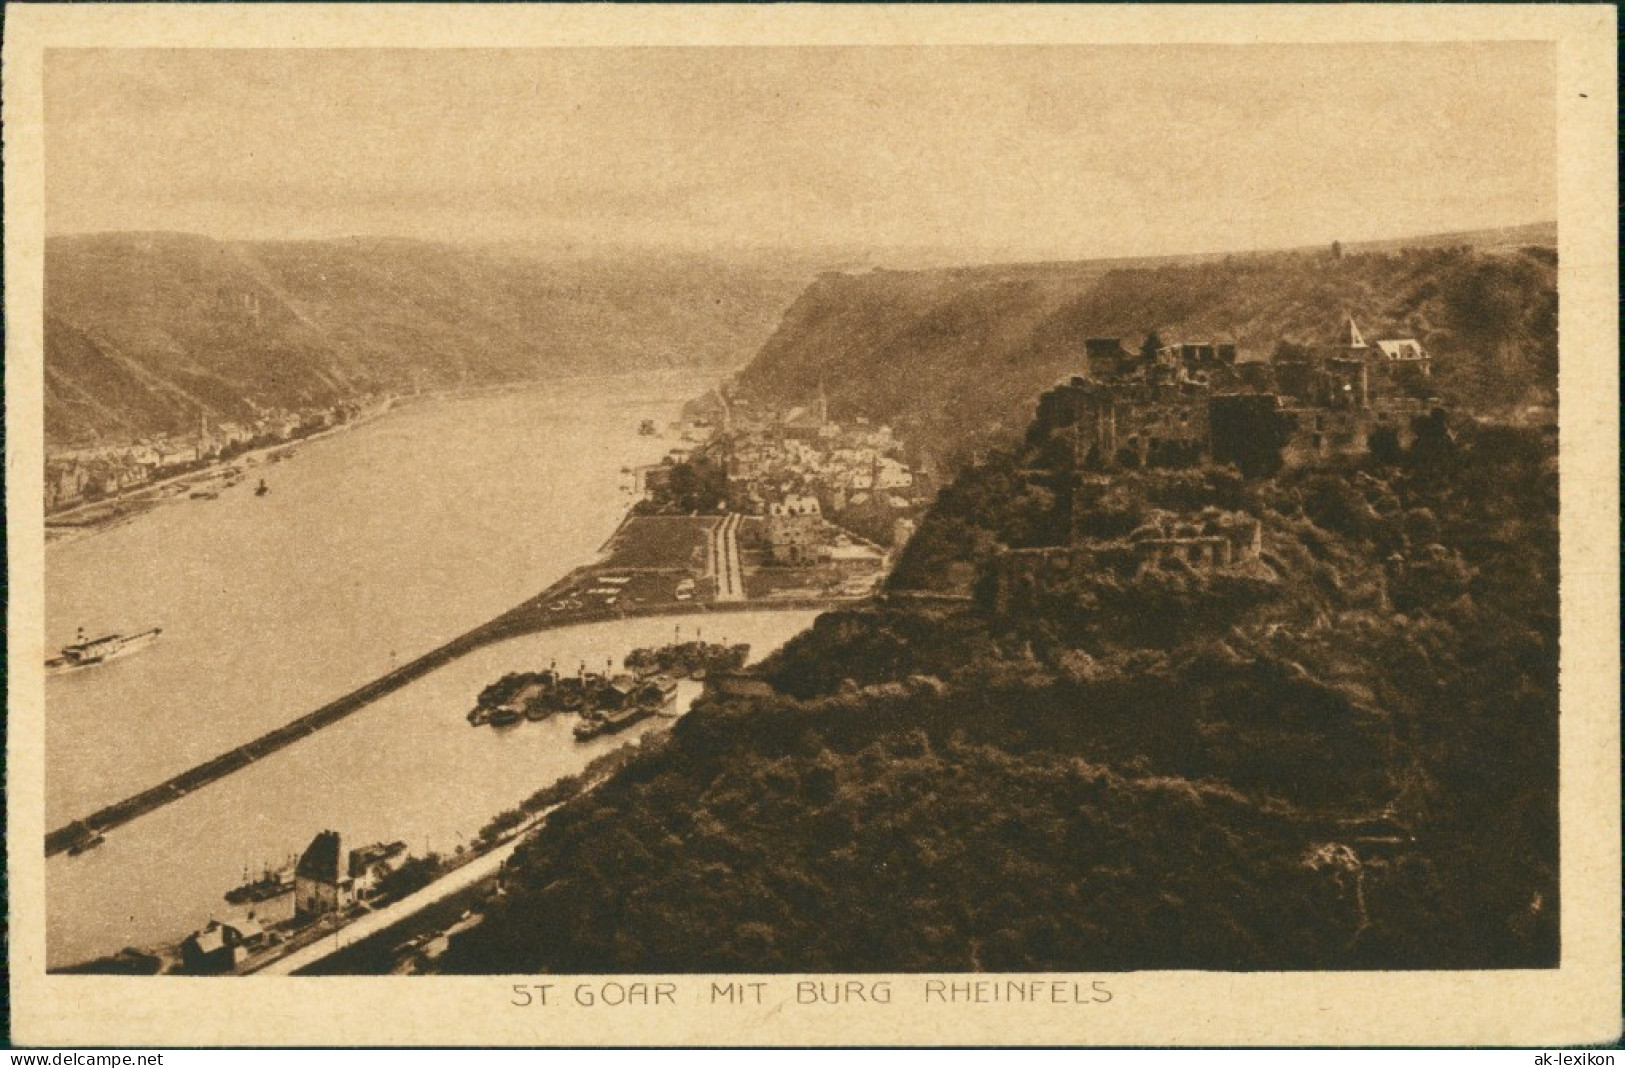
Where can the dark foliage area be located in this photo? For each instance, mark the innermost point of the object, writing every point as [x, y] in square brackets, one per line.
[1341, 755]
[560, 791]
[687, 659]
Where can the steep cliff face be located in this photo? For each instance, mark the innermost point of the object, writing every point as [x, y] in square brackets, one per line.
[953, 356]
[145, 332]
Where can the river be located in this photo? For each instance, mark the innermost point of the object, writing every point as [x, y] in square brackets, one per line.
[373, 546]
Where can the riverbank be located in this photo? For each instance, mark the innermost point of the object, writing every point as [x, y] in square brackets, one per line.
[296, 942]
[641, 571]
[373, 549]
[474, 871]
[92, 516]
[89, 517]
[86, 832]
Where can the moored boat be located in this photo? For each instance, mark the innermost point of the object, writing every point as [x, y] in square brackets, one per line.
[661, 691]
[656, 696]
[527, 695]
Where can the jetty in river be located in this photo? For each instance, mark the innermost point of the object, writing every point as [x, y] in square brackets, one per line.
[672, 584]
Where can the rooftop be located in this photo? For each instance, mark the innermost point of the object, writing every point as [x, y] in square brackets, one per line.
[320, 860]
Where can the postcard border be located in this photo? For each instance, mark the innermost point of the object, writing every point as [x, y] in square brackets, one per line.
[1576, 1003]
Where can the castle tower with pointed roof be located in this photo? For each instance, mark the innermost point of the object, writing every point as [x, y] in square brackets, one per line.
[322, 882]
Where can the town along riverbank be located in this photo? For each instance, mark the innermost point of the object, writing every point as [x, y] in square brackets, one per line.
[198, 481]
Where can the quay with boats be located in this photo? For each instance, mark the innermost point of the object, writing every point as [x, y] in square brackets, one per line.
[609, 701]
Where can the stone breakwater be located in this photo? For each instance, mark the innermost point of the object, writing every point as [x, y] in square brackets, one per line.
[530, 617]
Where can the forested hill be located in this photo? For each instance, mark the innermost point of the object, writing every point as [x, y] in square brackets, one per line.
[954, 355]
[145, 332]
[1338, 753]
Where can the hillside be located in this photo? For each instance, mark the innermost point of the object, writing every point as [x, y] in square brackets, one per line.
[145, 332]
[1340, 753]
[955, 356]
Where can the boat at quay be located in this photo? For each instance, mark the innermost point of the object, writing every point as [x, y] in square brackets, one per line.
[597, 723]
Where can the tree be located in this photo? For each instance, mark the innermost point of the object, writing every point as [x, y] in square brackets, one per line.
[699, 485]
[413, 875]
[1384, 444]
[1249, 430]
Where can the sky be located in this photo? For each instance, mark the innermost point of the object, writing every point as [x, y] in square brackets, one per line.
[1038, 152]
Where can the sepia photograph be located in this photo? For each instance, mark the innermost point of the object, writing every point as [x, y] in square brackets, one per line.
[890, 526]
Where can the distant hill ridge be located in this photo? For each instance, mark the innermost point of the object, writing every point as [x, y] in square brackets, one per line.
[148, 332]
[955, 354]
